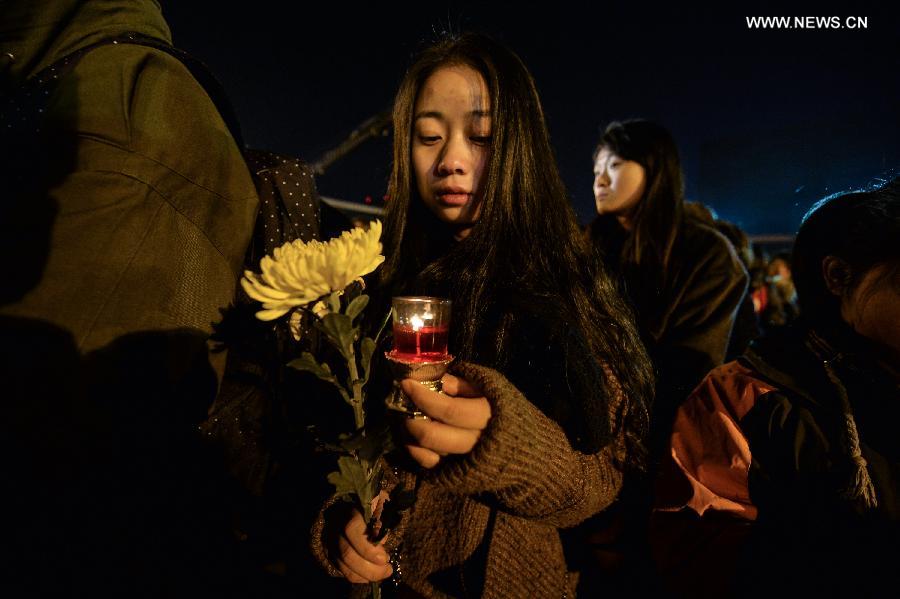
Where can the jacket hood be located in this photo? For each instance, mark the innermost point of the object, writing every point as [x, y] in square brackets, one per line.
[39, 32]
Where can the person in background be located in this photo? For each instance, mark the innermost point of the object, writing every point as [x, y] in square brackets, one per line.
[781, 305]
[699, 212]
[682, 276]
[746, 326]
[686, 285]
[780, 275]
[784, 465]
[759, 285]
[126, 215]
[738, 239]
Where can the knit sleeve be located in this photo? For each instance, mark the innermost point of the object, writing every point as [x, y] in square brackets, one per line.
[524, 462]
[318, 544]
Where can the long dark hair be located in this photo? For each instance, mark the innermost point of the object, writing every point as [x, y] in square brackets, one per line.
[861, 228]
[527, 238]
[646, 250]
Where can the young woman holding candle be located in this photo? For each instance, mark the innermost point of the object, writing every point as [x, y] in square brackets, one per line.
[547, 405]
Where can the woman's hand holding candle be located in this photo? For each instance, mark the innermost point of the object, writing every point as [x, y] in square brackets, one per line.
[456, 418]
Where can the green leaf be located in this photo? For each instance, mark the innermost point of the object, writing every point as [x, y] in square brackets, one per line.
[375, 444]
[351, 442]
[350, 478]
[369, 444]
[334, 302]
[357, 306]
[342, 485]
[339, 330]
[308, 363]
[366, 350]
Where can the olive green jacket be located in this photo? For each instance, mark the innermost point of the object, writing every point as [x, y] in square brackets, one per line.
[150, 204]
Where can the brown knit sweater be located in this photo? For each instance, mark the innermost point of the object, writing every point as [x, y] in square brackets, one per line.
[494, 514]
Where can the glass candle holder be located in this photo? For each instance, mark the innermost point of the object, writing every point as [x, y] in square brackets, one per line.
[421, 327]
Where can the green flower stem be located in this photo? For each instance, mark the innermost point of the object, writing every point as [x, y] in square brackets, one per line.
[367, 493]
[357, 390]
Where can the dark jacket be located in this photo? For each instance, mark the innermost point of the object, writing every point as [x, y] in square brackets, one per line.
[762, 456]
[687, 319]
[127, 208]
[131, 199]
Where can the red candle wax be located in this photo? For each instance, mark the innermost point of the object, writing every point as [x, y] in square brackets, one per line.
[422, 343]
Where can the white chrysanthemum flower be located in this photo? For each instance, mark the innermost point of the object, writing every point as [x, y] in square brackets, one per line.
[298, 273]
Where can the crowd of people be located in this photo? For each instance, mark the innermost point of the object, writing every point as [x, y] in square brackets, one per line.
[647, 404]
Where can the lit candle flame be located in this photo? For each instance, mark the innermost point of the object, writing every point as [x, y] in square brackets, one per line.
[417, 322]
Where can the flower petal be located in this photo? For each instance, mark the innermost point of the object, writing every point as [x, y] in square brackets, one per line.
[298, 273]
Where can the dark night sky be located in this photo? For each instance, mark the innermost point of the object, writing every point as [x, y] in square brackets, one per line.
[767, 121]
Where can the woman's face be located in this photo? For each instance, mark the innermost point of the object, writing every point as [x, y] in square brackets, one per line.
[873, 308]
[618, 185]
[451, 144]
